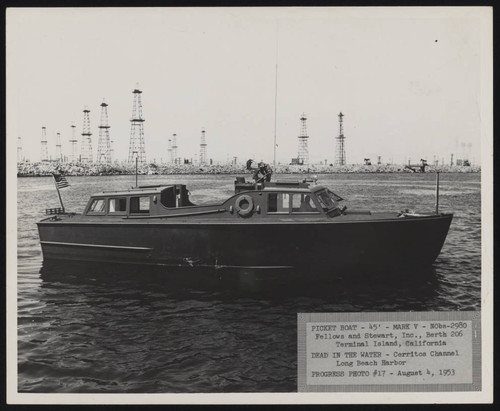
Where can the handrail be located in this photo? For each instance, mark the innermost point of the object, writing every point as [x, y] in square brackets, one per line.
[140, 217]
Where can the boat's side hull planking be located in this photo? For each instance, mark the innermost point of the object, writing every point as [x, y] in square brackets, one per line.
[405, 241]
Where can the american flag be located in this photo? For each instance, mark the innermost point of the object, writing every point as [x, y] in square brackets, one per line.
[61, 181]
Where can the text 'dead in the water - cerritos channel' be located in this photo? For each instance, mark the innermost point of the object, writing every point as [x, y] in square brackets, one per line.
[406, 351]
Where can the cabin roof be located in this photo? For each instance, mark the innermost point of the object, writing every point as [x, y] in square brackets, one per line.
[157, 189]
[141, 190]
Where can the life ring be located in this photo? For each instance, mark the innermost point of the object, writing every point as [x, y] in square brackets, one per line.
[244, 200]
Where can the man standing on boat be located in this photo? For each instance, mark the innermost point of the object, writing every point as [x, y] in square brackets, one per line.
[263, 172]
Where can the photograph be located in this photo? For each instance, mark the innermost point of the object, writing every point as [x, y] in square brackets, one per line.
[228, 205]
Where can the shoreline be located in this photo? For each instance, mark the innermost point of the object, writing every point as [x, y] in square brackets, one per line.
[45, 169]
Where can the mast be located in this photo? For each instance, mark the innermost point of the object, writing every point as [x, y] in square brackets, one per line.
[275, 99]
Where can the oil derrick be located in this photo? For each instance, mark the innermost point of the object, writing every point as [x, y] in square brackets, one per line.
[111, 149]
[137, 144]
[170, 159]
[59, 156]
[73, 157]
[174, 149]
[340, 151]
[86, 154]
[44, 154]
[303, 155]
[104, 144]
[19, 150]
[203, 148]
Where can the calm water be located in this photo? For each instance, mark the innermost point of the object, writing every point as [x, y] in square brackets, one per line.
[99, 329]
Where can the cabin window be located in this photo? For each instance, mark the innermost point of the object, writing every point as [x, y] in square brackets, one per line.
[139, 205]
[328, 199]
[278, 203]
[117, 205]
[98, 206]
[303, 203]
[168, 197]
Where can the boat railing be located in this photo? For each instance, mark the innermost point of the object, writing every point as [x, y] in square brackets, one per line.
[53, 211]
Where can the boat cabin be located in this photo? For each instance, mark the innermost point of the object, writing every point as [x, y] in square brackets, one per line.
[144, 200]
[269, 199]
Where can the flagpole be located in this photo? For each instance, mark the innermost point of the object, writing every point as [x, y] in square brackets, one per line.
[58, 193]
[60, 199]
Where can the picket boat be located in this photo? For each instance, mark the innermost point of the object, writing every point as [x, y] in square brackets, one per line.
[263, 225]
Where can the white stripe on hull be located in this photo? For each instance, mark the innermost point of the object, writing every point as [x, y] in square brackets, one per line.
[117, 247]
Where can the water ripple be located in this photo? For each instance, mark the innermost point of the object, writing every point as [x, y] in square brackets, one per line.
[81, 329]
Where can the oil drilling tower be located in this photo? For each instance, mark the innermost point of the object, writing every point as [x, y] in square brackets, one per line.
[203, 148]
[169, 152]
[19, 150]
[340, 150]
[86, 154]
[137, 145]
[303, 154]
[44, 154]
[174, 149]
[104, 144]
[59, 156]
[72, 144]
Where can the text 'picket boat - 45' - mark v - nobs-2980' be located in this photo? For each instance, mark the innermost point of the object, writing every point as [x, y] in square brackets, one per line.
[264, 224]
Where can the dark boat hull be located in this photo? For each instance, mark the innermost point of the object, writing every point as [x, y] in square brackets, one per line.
[373, 243]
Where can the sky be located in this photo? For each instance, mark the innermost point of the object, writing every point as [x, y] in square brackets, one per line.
[407, 80]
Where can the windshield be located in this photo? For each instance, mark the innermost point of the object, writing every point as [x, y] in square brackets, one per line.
[328, 199]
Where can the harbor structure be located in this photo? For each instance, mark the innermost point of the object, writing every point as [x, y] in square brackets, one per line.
[303, 152]
[73, 156]
[340, 159]
[465, 155]
[203, 148]
[59, 156]
[19, 150]
[104, 144]
[44, 153]
[86, 147]
[137, 145]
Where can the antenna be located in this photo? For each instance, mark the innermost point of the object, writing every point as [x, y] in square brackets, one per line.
[275, 97]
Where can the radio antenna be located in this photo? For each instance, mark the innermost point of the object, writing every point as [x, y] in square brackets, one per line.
[275, 97]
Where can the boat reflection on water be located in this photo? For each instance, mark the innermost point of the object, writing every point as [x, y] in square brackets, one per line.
[262, 284]
[138, 329]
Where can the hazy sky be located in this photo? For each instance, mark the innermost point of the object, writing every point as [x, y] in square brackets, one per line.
[407, 80]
